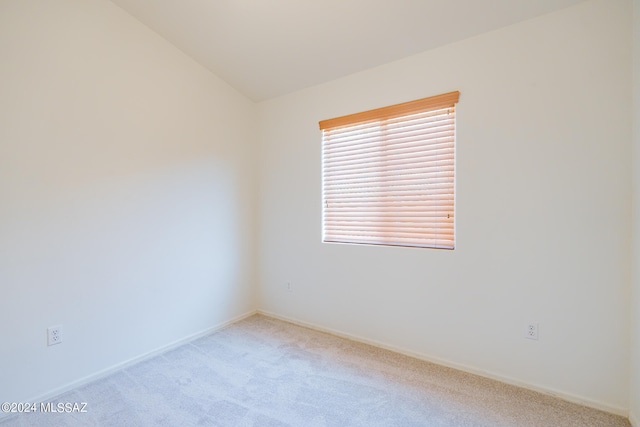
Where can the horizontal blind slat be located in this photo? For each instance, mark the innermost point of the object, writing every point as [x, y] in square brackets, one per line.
[348, 207]
[396, 174]
[425, 178]
[426, 216]
[437, 135]
[386, 156]
[422, 117]
[341, 225]
[368, 136]
[432, 161]
[417, 188]
[439, 144]
[400, 211]
[434, 229]
[435, 175]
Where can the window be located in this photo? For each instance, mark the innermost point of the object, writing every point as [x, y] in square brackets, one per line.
[388, 175]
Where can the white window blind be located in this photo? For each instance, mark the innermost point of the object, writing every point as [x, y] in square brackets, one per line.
[388, 175]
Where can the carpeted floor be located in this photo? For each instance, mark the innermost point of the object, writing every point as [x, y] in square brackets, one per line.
[263, 372]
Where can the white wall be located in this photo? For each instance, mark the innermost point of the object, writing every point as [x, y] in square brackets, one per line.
[126, 193]
[543, 209]
[634, 415]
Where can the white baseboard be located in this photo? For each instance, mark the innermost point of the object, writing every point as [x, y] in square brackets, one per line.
[114, 368]
[633, 419]
[466, 368]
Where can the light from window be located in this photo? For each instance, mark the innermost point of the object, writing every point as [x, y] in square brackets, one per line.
[388, 175]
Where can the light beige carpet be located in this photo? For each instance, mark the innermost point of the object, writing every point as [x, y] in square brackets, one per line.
[265, 372]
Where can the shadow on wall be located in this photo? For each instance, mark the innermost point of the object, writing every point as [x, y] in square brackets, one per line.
[127, 262]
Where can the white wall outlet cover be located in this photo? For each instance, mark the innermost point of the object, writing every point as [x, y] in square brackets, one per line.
[54, 335]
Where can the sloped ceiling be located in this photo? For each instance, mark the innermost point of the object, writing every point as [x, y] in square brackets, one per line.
[267, 48]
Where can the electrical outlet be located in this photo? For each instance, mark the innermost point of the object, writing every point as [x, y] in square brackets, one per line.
[54, 335]
[289, 287]
[531, 331]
